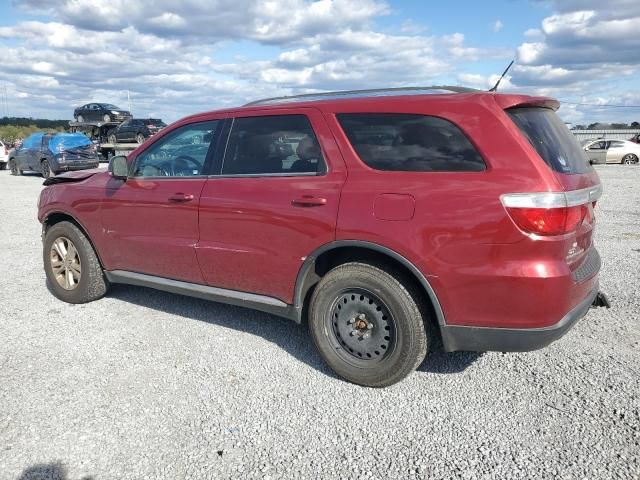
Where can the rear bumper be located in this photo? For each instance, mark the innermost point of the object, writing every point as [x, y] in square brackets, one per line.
[483, 339]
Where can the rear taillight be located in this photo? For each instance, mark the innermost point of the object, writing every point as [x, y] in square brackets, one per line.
[551, 213]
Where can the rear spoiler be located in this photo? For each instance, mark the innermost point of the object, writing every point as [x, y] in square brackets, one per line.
[71, 177]
[514, 101]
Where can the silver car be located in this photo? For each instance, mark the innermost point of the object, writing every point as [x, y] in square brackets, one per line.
[612, 151]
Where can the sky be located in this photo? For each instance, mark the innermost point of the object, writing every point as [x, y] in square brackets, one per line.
[169, 59]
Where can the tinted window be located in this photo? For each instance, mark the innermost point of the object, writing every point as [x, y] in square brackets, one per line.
[279, 144]
[182, 153]
[552, 139]
[407, 142]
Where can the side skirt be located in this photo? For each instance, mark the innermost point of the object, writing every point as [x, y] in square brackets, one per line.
[231, 297]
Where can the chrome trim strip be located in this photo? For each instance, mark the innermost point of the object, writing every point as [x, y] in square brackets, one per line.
[552, 199]
[193, 289]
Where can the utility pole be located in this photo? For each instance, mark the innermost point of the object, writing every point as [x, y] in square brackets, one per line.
[129, 102]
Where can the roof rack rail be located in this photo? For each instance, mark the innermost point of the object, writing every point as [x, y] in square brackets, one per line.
[372, 92]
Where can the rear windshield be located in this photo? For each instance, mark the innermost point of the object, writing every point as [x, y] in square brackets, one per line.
[551, 138]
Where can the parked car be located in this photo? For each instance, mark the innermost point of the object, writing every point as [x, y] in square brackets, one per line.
[612, 151]
[50, 154]
[4, 155]
[136, 130]
[398, 217]
[100, 112]
[635, 138]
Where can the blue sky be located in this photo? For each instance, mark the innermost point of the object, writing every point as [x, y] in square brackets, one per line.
[206, 54]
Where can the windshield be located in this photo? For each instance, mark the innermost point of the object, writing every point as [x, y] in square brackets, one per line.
[63, 142]
[551, 138]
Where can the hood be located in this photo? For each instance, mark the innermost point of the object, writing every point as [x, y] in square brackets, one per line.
[76, 176]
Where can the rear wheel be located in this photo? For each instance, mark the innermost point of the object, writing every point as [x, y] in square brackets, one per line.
[80, 118]
[368, 324]
[107, 117]
[45, 169]
[112, 138]
[629, 159]
[139, 138]
[71, 265]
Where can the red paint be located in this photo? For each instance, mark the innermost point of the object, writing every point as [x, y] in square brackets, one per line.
[252, 234]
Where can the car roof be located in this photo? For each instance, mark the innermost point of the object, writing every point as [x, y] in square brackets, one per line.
[380, 98]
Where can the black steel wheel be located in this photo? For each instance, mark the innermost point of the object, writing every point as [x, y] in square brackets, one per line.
[362, 330]
[369, 324]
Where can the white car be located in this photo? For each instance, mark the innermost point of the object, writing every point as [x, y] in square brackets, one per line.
[4, 155]
[612, 151]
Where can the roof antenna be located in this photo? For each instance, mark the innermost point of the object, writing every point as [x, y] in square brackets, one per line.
[495, 87]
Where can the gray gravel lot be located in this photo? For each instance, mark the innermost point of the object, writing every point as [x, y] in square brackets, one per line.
[144, 384]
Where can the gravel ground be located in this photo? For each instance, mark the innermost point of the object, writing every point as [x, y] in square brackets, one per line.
[144, 384]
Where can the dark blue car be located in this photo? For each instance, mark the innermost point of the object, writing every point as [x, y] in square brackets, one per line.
[53, 153]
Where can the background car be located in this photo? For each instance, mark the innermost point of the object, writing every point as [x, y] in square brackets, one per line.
[4, 155]
[612, 151]
[50, 154]
[136, 130]
[635, 138]
[100, 112]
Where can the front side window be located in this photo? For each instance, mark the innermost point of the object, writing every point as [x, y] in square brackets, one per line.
[278, 144]
[616, 144]
[409, 142]
[182, 153]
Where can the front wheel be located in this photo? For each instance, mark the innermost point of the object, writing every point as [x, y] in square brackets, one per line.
[112, 138]
[139, 138]
[13, 166]
[71, 265]
[629, 159]
[368, 324]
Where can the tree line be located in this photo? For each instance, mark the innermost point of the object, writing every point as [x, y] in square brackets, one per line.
[18, 128]
[607, 126]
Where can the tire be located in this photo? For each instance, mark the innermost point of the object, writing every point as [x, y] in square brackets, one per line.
[107, 117]
[45, 169]
[140, 138]
[629, 159]
[13, 166]
[391, 326]
[112, 138]
[90, 283]
[80, 119]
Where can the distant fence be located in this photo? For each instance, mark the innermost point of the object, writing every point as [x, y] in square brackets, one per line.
[609, 134]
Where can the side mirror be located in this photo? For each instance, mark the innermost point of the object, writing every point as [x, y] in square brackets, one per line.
[118, 167]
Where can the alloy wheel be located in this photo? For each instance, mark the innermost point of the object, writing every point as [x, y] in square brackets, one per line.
[65, 263]
[630, 159]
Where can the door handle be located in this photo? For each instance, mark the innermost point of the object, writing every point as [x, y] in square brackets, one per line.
[181, 197]
[308, 201]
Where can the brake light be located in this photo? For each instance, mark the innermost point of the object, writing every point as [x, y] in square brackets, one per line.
[551, 213]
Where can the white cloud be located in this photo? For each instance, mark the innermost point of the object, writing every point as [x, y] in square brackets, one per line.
[497, 26]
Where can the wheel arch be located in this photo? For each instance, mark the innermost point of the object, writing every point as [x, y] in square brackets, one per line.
[55, 217]
[338, 252]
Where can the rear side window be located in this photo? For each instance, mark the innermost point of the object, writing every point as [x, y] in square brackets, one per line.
[551, 138]
[408, 142]
[275, 144]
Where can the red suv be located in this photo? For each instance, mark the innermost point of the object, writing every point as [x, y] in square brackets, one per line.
[384, 218]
